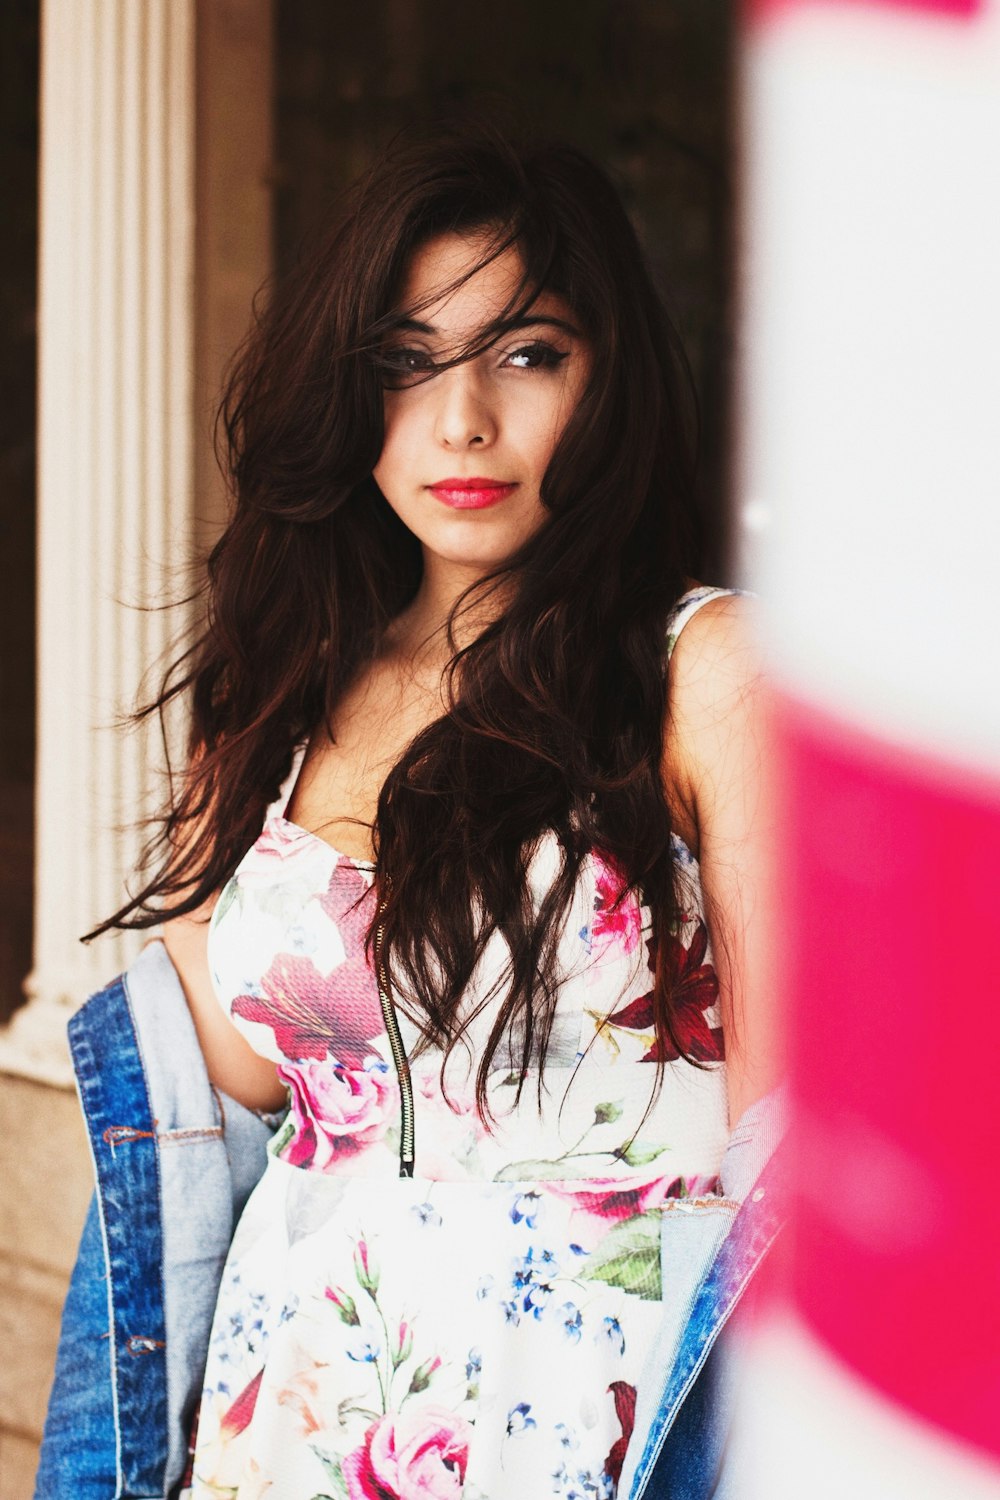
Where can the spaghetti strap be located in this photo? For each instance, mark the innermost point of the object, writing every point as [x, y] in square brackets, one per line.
[277, 808]
[688, 606]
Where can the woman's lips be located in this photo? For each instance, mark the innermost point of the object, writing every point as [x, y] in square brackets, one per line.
[471, 494]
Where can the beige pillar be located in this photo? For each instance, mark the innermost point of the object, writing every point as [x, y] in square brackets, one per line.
[115, 462]
[151, 248]
[144, 240]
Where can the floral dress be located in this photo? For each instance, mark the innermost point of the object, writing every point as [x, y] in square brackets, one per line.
[478, 1329]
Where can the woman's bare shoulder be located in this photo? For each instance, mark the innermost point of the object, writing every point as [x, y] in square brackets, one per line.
[713, 713]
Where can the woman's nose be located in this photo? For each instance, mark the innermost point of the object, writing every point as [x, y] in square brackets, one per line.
[465, 417]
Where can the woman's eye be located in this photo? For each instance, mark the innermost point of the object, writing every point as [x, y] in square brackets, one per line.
[535, 357]
[407, 361]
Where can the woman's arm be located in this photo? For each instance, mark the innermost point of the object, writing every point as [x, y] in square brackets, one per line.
[716, 765]
[233, 1065]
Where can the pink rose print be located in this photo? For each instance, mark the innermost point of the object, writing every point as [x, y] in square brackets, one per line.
[366, 1267]
[696, 989]
[621, 1198]
[336, 1111]
[280, 846]
[314, 1014]
[417, 1455]
[617, 919]
[602, 1201]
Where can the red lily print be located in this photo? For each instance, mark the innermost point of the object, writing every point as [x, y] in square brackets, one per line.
[237, 1418]
[625, 1411]
[696, 989]
[314, 1014]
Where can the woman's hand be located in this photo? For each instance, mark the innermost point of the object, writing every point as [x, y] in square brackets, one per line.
[716, 765]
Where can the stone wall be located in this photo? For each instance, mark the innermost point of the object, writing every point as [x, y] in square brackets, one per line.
[45, 1175]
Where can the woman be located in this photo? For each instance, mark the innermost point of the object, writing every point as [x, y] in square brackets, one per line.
[479, 869]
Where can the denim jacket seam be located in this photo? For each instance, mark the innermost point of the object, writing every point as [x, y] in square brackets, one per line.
[158, 1182]
[666, 1417]
[85, 1073]
[132, 1457]
[189, 1133]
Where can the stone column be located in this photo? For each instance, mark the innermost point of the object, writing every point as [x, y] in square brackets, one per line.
[116, 302]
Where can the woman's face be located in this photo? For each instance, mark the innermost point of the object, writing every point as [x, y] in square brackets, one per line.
[466, 450]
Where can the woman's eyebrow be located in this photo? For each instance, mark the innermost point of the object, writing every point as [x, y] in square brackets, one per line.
[497, 329]
[536, 320]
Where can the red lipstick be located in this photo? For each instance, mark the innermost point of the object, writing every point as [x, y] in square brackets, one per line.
[471, 494]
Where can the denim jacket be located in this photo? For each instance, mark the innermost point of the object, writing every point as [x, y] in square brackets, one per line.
[174, 1163]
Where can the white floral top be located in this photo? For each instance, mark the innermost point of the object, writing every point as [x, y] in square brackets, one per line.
[477, 1330]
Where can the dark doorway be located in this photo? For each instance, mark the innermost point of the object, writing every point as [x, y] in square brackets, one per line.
[18, 290]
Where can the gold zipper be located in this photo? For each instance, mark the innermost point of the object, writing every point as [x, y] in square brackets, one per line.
[399, 1058]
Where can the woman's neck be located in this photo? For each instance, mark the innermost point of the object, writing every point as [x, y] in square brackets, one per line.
[422, 627]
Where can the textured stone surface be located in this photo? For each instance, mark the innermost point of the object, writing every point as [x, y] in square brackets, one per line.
[45, 1184]
[18, 1462]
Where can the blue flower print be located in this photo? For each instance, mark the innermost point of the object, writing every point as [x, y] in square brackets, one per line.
[366, 1347]
[426, 1214]
[525, 1209]
[474, 1364]
[538, 1297]
[567, 1437]
[518, 1419]
[510, 1313]
[681, 853]
[534, 1275]
[572, 1322]
[301, 940]
[611, 1330]
[582, 1485]
[484, 1288]
[533, 1265]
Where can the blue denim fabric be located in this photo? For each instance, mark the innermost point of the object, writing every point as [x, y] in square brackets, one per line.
[79, 1451]
[679, 1447]
[174, 1163]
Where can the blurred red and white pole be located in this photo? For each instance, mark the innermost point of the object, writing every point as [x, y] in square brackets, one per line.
[870, 511]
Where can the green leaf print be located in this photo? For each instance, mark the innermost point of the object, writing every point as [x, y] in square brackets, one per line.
[334, 1473]
[280, 1140]
[608, 1113]
[639, 1153]
[545, 1171]
[230, 892]
[629, 1257]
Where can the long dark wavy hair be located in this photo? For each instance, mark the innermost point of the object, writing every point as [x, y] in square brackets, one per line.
[556, 709]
